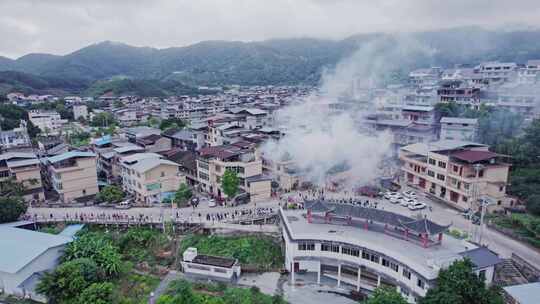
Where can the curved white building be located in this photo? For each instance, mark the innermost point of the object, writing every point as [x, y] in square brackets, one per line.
[365, 248]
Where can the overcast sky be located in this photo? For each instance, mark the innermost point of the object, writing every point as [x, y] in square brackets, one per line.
[63, 26]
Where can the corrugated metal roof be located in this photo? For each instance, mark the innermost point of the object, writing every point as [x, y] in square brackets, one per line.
[128, 149]
[25, 246]
[68, 155]
[22, 163]
[150, 163]
[524, 293]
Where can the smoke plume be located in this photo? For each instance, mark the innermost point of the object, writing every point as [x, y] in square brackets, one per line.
[326, 133]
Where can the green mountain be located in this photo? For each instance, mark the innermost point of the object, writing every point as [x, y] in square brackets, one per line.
[11, 81]
[280, 61]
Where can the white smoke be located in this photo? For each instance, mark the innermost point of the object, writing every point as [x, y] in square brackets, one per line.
[319, 140]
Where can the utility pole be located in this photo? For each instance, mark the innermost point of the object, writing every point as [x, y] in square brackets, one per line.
[476, 197]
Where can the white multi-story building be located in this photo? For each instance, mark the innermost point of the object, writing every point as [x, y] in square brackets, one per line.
[80, 110]
[496, 72]
[364, 248]
[150, 178]
[17, 137]
[455, 128]
[48, 122]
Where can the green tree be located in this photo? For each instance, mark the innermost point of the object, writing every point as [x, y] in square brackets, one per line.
[172, 123]
[97, 293]
[11, 208]
[458, 284]
[97, 248]
[182, 293]
[533, 204]
[68, 280]
[384, 295]
[118, 104]
[229, 183]
[110, 194]
[182, 195]
[32, 130]
[103, 119]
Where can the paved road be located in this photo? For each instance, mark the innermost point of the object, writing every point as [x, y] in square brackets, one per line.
[201, 214]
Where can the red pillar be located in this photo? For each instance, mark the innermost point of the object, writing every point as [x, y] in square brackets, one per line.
[366, 224]
[406, 234]
[309, 216]
[349, 220]
[440, 237]
[425, 240]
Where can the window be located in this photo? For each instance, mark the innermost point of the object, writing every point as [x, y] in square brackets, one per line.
[407, 274]
[325, 247]
[218, 168]
[350, 251]
[432, 161]
[442, 164]
[482, 275]
[84, 192]
[365, 255]
[481, 173]
[335, 248]
[440, 177]
[374, 258]
[306, 246]
[394, 267]
[420, 283]
[385, 263]
[456, 168]
[162, 174]
[431, 173]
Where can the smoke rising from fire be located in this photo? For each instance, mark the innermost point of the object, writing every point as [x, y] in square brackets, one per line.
[326, 133]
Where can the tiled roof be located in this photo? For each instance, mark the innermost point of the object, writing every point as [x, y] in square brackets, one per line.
[482, 257]
[377, 215]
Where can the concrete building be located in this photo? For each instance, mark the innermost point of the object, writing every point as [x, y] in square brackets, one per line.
[150, 178]
[212, 162]
[80, 110]
[154, 143]
[23, 168]
[365, 248]
[72, 175]
[210, 267]
[49, 122]
[30, 254]
[135, 133]
[457, 173]
[497, 72]
[522, 294]
[17, 137]
[455, 128]
[530, 73]
[458, 92]
[425, 77]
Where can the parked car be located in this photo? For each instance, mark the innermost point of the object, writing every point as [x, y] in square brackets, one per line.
[123, 205]
[396, 199]
[388, 195]
[211, 203]
[405, 202]
[417, 206]
[409, 194]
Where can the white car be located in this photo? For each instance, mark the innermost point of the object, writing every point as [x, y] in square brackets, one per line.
[405, 202]
[211, 203]
[409, 194]
[388, 195]
[395, 199]
[417, 206]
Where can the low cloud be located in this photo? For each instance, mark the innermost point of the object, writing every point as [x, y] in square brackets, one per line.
[62, 26]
